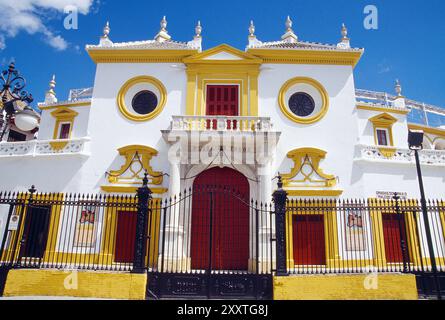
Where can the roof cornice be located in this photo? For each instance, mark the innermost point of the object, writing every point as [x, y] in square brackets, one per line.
[304, 56]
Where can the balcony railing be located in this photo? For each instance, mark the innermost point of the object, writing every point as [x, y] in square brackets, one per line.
[374, 153]
[36, 148]
[221, 123]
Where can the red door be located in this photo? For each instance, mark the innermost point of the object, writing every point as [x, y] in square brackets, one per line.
[125, 234]
[309, 240]
[222, 100]
[220, 221]
[394, 229]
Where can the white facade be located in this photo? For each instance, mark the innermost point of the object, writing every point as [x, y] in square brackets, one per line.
[344, 132]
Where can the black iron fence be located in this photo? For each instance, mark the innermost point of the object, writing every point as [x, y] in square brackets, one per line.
[216, 242]
[360, 236]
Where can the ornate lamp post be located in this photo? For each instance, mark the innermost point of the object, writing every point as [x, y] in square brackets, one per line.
[12, 85]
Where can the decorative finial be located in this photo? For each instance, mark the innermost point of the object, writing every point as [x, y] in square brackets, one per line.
[50, 96]
[289, 36]
[164, 24]
[344, 41]
[163, 33]
[251, 29]
[344, 32]
[198, 30]
[289, 24]
[398, 88]
[107, 30]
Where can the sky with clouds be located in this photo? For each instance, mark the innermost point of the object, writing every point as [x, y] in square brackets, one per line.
[409, 43]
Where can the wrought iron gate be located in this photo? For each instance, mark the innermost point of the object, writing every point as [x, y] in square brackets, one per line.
[214, 244]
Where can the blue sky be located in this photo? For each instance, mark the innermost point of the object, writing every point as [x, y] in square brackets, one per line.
[409, 44]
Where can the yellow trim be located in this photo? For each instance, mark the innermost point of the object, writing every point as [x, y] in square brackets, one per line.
[132, 82]
[133, 190]
[314, 156]
[384, 121]
[139, 56]
[314, 193]
[426, 129]
[96, 285]
[284, 104]
[381, 109]
[129, 153]
[307, 57]
[243, 72]
[62, 115]
[244, 57]
[346, 287]
[66, 105]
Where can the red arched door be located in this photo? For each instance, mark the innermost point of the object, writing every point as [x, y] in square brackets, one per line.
[220, 221]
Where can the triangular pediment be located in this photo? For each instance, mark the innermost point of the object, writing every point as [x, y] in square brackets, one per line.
[225, 54]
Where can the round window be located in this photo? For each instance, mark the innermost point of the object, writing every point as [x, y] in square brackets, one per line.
[301, 104]
[144, 102]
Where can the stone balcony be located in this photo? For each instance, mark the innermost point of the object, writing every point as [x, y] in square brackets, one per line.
[221, 124]
[36, 148]
[367, 153]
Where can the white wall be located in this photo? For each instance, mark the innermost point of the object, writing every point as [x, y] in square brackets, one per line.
[336, 133]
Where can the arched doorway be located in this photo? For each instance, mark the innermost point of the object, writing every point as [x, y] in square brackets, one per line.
[220, 230]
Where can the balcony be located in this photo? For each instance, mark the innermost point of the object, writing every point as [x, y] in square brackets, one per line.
[401, 156]
[36, 148]
[221, 124]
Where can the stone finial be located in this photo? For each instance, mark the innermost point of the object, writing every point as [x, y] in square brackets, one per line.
[399, 101]
[253, 41]
[251, 29]
[197, 39]
[344, 41]
[164, 24]
[398, 88]
[289, 36]
[289, 24]
[163, 33]
[105, 39]
[107, 30]
[198, 30]
[50, 96]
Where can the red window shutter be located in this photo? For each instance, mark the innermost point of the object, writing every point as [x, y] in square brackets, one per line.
[222, 100]
[65, 131]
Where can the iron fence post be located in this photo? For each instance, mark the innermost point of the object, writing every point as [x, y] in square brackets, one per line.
[280, 199]
[23, 240]
[402, 233]
[144, 195]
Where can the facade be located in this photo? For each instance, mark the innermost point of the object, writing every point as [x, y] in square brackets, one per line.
[190, 117]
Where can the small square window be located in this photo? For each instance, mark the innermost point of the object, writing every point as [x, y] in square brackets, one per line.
[65, 129]
[382, 137]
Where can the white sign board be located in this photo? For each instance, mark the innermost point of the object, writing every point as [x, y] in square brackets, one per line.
[13, 223]
[386, 195]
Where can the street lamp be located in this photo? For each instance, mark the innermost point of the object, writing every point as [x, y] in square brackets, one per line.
[415, 141]
[13, 96]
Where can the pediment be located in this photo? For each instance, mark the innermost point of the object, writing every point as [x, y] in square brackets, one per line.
[224, 54]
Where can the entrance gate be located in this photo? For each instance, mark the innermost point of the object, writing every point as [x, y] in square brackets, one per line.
[215, 243]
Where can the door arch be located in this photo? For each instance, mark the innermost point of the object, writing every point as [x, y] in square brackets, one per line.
[220, 230]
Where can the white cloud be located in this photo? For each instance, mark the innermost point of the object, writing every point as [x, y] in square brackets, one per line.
[31, 15]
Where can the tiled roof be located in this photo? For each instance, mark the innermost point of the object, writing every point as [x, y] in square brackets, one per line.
[141, 45]
[300, 45]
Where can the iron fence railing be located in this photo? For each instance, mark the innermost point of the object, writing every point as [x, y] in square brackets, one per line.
[361, 236]
[97, 232]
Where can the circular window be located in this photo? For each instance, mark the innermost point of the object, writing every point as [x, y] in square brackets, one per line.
[302, 104]
[144, 102]
[142, 98]
[303, 100]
